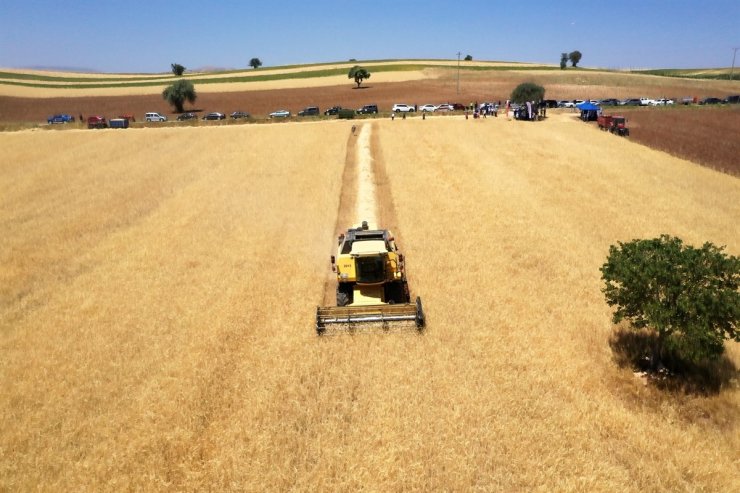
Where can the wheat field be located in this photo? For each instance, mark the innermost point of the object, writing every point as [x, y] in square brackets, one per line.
[159, 290]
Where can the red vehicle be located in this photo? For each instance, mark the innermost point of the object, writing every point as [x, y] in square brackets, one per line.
[96, 122]
[614, 124]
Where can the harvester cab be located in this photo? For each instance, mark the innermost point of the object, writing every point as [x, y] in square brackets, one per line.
[371, 281]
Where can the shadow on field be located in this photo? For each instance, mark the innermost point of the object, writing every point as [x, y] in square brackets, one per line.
[632, 350]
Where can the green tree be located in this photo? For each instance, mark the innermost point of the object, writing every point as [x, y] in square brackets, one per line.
[563, 61]
[177, 69]
[688, 296]
[574, 57]
[468, 58]
[179, 92]
[255, 63]
[527, 91]
[358, 74]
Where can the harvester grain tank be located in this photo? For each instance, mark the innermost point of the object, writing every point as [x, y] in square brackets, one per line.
[371, 282]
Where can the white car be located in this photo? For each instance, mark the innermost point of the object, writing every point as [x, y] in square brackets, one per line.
[428, 107]
[647, 102]
[403, 108]
[663, 102]
[280, 114]
[154, 117]
[444, 107]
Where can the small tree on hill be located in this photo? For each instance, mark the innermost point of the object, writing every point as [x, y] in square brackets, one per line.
[574, 57]
[177, 69]
[527, 91]
[255, 63]
[688, 296]
[179, 92]
[563, 61]
[358, 74]
[468, 58]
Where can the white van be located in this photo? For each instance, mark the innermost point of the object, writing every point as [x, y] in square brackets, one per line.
[155, 117]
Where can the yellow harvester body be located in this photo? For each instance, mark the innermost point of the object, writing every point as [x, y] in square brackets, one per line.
[371, 281]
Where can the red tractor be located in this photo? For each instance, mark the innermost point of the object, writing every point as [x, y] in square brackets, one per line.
[614, 124]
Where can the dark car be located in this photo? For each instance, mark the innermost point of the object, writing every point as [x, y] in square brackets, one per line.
[240, 114]
[334, 110]
[187, 116]
[631, 102]
[710, 101]
[609, 102]
[310, 111]
[457, 106]
[214, 116]
[550, 103]
[62, 118]
[732, 99]
[368, 109]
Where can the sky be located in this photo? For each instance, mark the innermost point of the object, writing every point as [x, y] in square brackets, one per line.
[148, 35]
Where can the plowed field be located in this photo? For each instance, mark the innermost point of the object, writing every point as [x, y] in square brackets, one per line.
[158, 290]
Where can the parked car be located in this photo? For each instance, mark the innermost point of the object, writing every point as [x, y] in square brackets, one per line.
[187, 116]
[96, 121]
[61, 118]
[445, 107]
[566, 104]
[710, 101]
[334, 110]
[154, 117]
[735, 99]
[688, 100]
[609, 102]
[630, 102]
[368, 109]
[214, 115]
[663, 102]
[458, 106]
[428, 107]
[240, 114]
[402, 108]
[647, 102]
[280, 114]
[550, 103]
[309, 111]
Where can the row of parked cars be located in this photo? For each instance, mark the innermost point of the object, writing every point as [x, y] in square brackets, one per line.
[646, 101]
[122, 121]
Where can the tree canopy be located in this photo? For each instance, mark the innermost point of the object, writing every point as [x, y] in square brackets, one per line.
[358, 74]
[180, 91]
[574, 57]
[527, 91]
[177, 69]
[688, 295]
[255, 63]
[468, 58]
[563, 61]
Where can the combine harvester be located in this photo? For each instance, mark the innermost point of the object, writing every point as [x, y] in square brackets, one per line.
[371, 282]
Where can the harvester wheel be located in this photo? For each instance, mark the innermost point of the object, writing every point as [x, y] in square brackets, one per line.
[342, 299]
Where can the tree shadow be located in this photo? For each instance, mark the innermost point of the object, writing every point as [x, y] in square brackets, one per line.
[362, 87]
[632, 349]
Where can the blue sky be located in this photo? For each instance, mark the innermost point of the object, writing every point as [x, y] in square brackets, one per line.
[148, 35]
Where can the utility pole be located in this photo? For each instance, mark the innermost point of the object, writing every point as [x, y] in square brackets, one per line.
[458, 71]
[732, 71]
